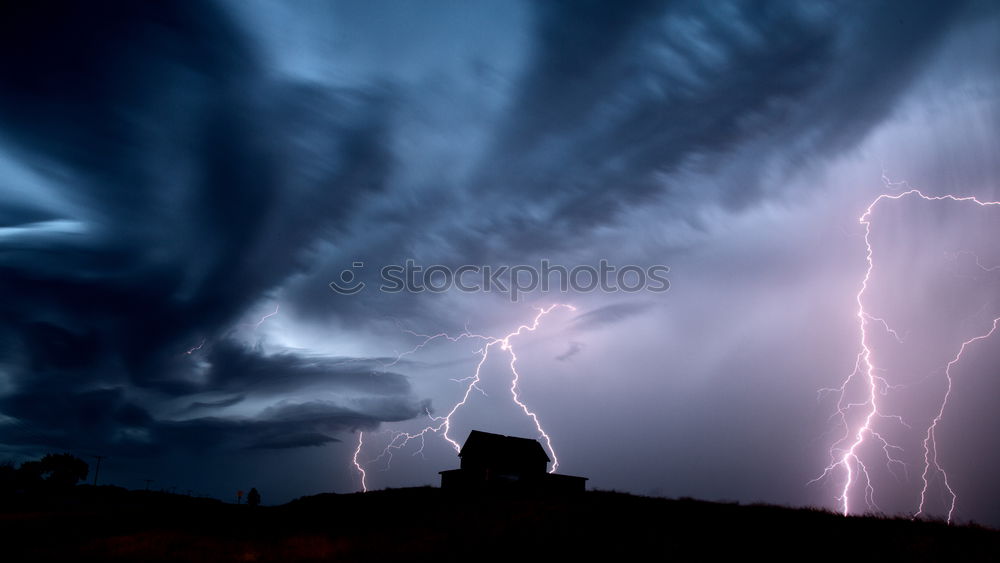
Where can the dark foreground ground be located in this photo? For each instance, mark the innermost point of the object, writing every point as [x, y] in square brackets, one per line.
[110, 524]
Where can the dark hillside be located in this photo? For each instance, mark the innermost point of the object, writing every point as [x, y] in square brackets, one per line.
[115, 525]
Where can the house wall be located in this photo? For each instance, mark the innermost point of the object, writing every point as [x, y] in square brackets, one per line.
[503, 466]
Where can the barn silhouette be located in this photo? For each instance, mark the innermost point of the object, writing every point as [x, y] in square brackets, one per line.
[498, 462]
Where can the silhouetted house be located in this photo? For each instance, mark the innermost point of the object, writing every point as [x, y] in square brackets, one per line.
[494, 461]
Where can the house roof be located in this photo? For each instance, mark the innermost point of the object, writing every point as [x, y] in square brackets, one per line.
[485, 444]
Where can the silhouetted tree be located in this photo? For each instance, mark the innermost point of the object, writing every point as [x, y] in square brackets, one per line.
[28, 476]
[63, 470]
[253, 497]
[8, 475]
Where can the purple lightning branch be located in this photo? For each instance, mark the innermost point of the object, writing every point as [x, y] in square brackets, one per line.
[930, 442]
[442, 424]
[845, 455]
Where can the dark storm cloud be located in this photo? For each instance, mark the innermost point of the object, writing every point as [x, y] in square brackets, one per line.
[195, 172]
[68, 413]
[617, 96]
[282, 427]
[236, 367]
[69, 419]
[574, 349]
[687, 104]
[195, 181]
[301, 440]
[608, 315]
[219, 403]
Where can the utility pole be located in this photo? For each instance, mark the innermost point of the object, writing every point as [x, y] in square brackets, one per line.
[148, 481]
[97, 471]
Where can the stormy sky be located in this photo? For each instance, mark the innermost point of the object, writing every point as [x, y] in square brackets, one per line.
[180, 183]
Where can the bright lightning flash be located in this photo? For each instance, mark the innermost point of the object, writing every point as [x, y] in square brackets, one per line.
[442, 424]
[845, 453]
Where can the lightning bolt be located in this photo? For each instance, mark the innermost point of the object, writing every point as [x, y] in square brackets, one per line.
[196, 348]
[844, 453]
[257, 324]
[442, 424]
[357, 464]
[978, 260]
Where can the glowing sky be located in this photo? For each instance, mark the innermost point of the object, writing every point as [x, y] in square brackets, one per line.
[171, 175]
